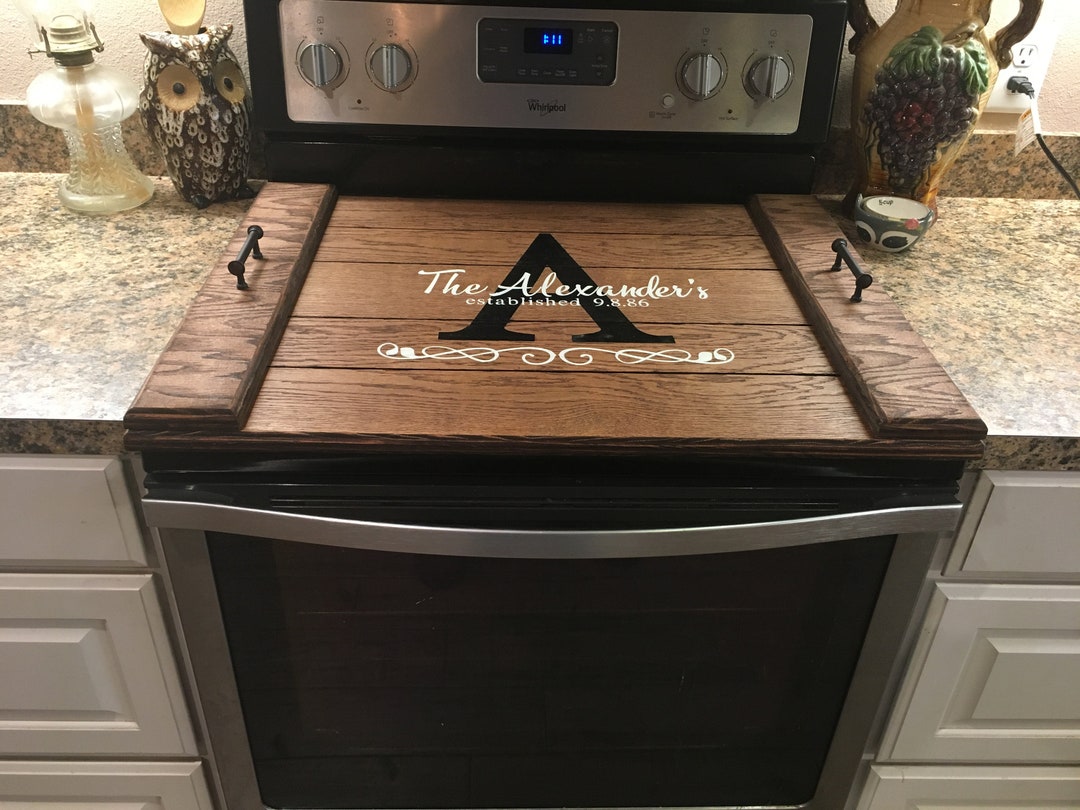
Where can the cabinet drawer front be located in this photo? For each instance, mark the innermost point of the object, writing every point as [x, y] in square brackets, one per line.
[85, 668]
[923, 787]
[1021, 524]
[29, 785]
[67, 509]
[997, 680]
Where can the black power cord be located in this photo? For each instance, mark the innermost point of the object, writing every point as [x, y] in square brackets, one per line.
[1019, 84]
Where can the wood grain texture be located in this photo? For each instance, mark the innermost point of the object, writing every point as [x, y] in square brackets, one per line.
[890, 372]
[210, 372]
[445, 249]
[381, 291]
[543, 405]
[537, 217]
[370, 356]
[756, 349]
[537, 412]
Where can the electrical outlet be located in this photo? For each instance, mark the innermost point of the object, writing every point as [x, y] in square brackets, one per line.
[1031, 58]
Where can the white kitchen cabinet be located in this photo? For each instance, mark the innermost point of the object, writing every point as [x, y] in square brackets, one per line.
[1020, 525]
[959, 787]
[67, 510]
[86, 669]
[45, 785]
[92, 708]
[987, 713]
[999, 678]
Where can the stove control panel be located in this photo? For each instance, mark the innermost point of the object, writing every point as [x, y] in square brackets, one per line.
[521, 51]
[446, 65]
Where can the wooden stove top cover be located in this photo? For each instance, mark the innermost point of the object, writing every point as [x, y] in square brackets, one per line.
[532, 327]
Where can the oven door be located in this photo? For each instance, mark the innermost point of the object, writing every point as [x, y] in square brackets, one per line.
[347, 662]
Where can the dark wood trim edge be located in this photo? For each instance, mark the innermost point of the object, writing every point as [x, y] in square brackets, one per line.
[887, 369]
[249, 387]
[209, 374]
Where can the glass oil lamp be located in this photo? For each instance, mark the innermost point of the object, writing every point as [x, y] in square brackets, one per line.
[88, 102]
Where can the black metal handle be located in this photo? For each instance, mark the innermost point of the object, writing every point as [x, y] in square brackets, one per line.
[843, 256]
[251, 247]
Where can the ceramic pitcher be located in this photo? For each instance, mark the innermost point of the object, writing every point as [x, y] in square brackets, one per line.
[921, 80]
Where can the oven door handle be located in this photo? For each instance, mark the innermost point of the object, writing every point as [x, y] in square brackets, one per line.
[540, 544]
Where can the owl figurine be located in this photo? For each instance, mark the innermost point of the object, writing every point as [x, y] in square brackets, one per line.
[196, 108]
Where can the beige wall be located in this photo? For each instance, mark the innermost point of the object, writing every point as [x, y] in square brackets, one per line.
[120, 21]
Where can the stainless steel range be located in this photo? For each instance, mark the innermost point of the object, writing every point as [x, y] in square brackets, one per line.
[702, 100]
[543, 456]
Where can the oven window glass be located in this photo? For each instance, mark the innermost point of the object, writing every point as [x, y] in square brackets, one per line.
[374, 679]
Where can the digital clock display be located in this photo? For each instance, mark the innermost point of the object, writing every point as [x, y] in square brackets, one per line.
[549, 40]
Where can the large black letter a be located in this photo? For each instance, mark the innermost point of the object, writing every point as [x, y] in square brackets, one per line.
[545, 251]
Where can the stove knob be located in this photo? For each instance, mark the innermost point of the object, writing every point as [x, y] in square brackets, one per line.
[319, 64]
[768, 77]
[391, 67]
[701, 75]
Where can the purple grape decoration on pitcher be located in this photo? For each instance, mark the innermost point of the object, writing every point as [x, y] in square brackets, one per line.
[926, 96]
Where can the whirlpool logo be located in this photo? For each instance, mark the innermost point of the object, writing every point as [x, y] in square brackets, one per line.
[545, 107]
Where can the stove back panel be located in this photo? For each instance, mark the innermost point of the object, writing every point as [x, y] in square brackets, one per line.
[705, 101]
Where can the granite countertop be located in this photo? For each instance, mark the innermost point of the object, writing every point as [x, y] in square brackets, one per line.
[994, 290]
[90, 302]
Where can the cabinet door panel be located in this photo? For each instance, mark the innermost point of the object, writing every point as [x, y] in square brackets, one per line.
[67, 510]
[33, 785]
[958, 787]
[1028, 676]
[997, 680]
[85, 668]
[1021, 525]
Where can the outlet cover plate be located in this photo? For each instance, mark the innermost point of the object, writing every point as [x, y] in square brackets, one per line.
[1031, 58]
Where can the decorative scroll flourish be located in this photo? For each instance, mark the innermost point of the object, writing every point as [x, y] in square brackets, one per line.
[573, 356]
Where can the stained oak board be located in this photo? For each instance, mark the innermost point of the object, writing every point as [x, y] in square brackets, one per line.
[768, 349]
[485, 326]
[343, 290]
[898, 384]
[210, 372]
